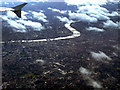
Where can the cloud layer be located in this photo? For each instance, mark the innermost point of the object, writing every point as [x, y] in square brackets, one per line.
[21, 25]
[110, 24]
[39, 16]
[89, 2]
[82, 17]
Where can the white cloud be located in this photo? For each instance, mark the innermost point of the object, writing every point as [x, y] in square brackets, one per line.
[87, 77]
[63, 19]
[39, 15]
[17, 25]
[89, 2]
[3, 17]
[94, 11]
[6, 3]
[21, 0]
[78, 2]
[57, 10]
[110, 23]
[40, 61]
[95, 29]
[91, 11]
[11, 14]
[26, 0]
[38, 0]
[100, 56]
[14, 24]
[35, 25]
[82, 17]
[84, 71]
[63, 11]
[100, 16]
[113, 14]
[86, 2]
[94, 83]
[20, 24]
[24, 14]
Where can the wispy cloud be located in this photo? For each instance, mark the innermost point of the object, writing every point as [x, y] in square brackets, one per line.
[95, 11]
[57, 10]
[100, 56]
[95, 29]
[110, 23]
[21, 24]
[89, 2]
[84, 71]
[14, 24]
[82, 17]
[87, 77]
[63, 19]
[12, 15]
[91, 11]
[37, 26]
[39, 15]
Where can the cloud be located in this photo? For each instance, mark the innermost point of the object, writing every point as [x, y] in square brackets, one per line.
[6, 3]
[39, 15]
[89, 2]
[114, 13]
[38, 0]
[84, 71]
[100, 56]
[40, 61]
[110, 23]
[82, 17]
[91, 11]
[94, 11]
[87, 77]
[24, 14]
[95, 29]
[12, 15]
[57, 10]
[20, 23]
[100, 16]
[86, 2]
[63, 19]
[37, 26]
[14, 24]
[71, 2]
[35, 0]
[94, 83]
[22, 0]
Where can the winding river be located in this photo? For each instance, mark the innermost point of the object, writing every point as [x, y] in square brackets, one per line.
[67, 25]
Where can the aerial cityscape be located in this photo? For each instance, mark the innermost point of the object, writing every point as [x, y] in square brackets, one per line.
[61, 45]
